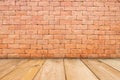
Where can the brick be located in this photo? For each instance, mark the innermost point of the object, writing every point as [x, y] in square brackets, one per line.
[57, 32]
[6, 32]
[13, 56]
[78, 51]
[58, 46]
[55, 41]
[25, 37]
[73, 55]
[2, 46]
[28, 41]
[8, 40]
[55, 3]
[63, 51]
[110, 42]
[43, 32]
[3, 36]
[36, 36]
[24, 46]
[18, 32]
[0, 51]
[48, 8]
[18, 46]
[66, 3]
[81, 46]
[59, 37]
[45, 3]
[76, 41]
[88, 32]
[48, 46]
[30, 51]
[13, 45]
[3, 55]
[24, 55]
[77, 32]
[4, 8]
[70, 46]
[66, 13]
[53, 51]
[65, 21]
[47, 37]
[13, 51]
[42, 42]
[25, 8]
[77, 22]
[36, 55]
[84, 37]
[59, 29]
[20, 41]
[43, 52]
[14, 36]
[70, 37]
[31, 32]
[48, 27]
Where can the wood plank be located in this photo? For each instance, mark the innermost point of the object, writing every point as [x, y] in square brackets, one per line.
[103, 71]
[23, 71]
[112, 62]
[5, 61]
[33, 71]
[76, 70]
[8, 67]
[53, 69]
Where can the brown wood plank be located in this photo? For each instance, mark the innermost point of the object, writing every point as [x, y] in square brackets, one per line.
[53, 69]
[103, 71]
[76, 70]
[25, 71]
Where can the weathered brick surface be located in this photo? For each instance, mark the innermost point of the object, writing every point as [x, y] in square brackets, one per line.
[59, 28]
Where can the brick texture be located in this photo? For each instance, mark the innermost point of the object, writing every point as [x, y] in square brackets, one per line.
[59, 28]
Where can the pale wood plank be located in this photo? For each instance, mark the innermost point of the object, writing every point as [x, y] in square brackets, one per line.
[103, 71]
[8, 67]
[33, 71]
[53, 69]
[5, 61]
[24, 70]
[76, 70]
[115, 63]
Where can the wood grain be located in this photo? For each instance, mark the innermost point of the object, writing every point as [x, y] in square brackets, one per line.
[103, 71]
[52, 70]
[33, 71]
[23, 70]
[115, 63]
[76, 70]
[8, 66]
[59, 69]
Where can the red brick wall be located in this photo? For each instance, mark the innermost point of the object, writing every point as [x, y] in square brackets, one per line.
[59, 28]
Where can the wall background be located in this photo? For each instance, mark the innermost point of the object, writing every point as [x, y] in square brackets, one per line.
[59, 28]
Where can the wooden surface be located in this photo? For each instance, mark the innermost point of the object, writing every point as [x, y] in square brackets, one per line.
[52, 69]
[59, 69]
[103, 71]
[76, 70]
[113, 63]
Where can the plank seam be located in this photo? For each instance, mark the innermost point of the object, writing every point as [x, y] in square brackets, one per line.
[39, 70]
[108, 65]
[90, 70]
[12, 70]
[64, 69]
